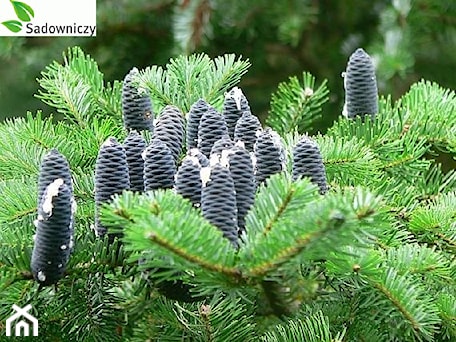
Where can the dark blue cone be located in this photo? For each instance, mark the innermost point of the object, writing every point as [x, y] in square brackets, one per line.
[134, 145]
[218, 200]
[111, 178]
[159, 166]
[188, 180]
[234, 105]
[361, 93]
[247, 130]
[193, 120]
[239, 162]
[170, 128]
[212, 127]
[269, 155]
[307, 162]
[54, 233]
[136, 105]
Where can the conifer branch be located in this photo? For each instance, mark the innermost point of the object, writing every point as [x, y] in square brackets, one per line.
[297, 104]
[195, 259]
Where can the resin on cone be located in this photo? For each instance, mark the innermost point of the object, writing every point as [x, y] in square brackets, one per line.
[234, 104]
[54, 233]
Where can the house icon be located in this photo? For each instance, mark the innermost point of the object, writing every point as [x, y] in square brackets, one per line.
[22, 327]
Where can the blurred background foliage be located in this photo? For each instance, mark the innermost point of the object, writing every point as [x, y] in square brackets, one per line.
[408, 39]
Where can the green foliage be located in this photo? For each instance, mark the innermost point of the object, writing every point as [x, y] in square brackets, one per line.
[77, 90]
[186, 79]
[312, 328]
[371, 260]
[297, 104]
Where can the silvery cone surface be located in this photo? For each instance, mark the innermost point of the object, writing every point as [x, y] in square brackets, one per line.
[360, 83]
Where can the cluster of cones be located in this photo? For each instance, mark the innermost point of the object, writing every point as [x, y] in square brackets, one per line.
[215, 159]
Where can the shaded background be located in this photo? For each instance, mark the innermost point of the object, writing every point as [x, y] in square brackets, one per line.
[408, 39]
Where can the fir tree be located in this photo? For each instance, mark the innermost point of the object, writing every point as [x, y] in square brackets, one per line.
[370, 259]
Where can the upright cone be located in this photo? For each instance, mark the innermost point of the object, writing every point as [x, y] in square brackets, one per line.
[159, 166]
[54, 233]
[361, 93]
[307, 162]
[170, 129]
[111, 177]
[269, 155]
[234, 105]
[218, 200]
[134, 145]
[136, 105]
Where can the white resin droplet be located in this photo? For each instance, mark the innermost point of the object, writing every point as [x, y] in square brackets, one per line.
[236, 94]
[51, 191]
[205, 174]
[41, 276]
